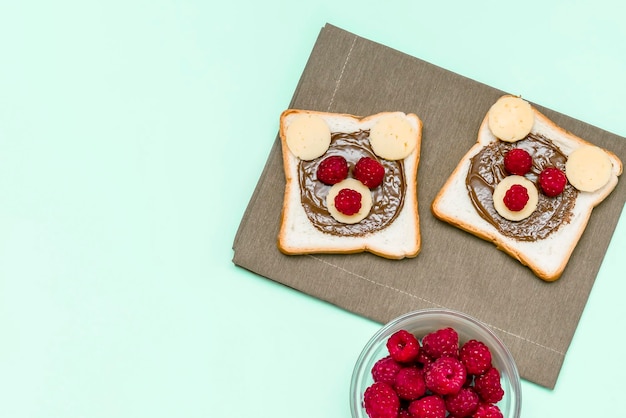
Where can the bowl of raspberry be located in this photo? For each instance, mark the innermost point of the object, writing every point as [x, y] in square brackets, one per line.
[435, 363]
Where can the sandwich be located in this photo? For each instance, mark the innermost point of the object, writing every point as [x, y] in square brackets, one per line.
[351, 183]
[528, 186]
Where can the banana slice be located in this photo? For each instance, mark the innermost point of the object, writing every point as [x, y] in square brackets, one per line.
[588, 168]
[308, 136]
[511, 118]
[500, 191]
[366, 201]
[393, 137]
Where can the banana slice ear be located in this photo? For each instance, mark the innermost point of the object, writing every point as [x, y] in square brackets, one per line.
[511, 118]
[393, 137]
[588, 168]
[308, 136]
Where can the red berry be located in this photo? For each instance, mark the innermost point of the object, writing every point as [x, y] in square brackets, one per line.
[385, 370]
[445, 376]
[369, 172]
[332, 170]
[381, 401]
[424, 359]
[475, 356]
[518, 161]
[431, 406]
[552, 181]
[446, 382]
[516, 197]
[469, 380]
[443, 342]
[403, 346]
[486, 410]
[348, 201]
[404, 413]
[488, 386]
[410, 384]
[463, 403]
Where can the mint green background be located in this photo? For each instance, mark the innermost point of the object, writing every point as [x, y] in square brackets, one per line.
[132, 134]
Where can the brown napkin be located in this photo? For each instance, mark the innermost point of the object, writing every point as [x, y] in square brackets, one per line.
[535, 319]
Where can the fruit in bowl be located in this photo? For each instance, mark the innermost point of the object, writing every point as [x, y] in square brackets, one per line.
[435, 363]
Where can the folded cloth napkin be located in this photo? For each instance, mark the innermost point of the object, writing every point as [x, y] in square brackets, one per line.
[535, 319]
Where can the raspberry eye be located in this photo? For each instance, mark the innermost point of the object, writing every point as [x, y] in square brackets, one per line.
[369, 172]
[552, 181]
[332, 170]
[518, 162]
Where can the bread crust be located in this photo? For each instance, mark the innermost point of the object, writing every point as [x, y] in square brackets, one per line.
[297, 235]
[548, 257]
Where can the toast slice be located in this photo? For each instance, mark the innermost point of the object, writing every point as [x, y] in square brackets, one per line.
[545, 240]
[310, 222]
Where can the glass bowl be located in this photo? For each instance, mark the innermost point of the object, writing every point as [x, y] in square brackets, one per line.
[422, 322]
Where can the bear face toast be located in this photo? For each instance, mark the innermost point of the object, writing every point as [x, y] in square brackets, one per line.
[351, 183]
[528, 186]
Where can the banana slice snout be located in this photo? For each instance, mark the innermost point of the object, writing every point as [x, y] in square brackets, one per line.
[366, 201]
[500, 192]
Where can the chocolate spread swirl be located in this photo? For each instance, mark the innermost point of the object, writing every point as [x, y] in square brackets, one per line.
[487, 170]
[387, 199]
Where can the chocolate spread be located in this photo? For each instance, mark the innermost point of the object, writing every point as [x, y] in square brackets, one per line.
[387, 199]
[487, 170]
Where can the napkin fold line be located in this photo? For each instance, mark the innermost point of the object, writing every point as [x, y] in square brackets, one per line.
[411, 295]
[343, 69]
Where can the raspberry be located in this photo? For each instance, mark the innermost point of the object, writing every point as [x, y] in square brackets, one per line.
[488, 386]
[516, 197]
[486, 410]
[552, 181]
[518, 161]
[462, 404]
[431, 406]
[475, 356]
[423, 358]
[404, 413]
[437, 379]
[403, 346]
[469, 380]
[381, 401]
[443, 342]
[369, 172]
[410, 384]
[385, 370]
[332, 169]
[348, 201]
[445, 376]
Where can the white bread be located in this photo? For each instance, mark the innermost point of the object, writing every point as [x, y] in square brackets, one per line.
[546, 257]
[298, 235]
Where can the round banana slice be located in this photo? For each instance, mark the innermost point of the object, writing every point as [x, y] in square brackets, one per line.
[366, 201]
[308, 136]
[588, 168]
[393, 137]
[500, 191]
[511, 118]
